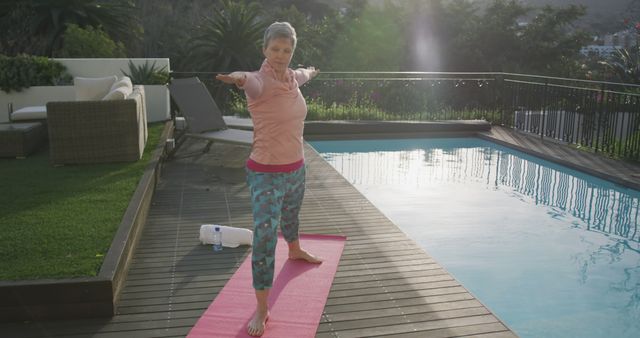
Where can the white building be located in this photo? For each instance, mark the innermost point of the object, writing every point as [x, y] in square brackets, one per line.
[603, 51]
[625, 39]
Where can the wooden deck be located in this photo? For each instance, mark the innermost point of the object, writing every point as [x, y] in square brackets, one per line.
[621, 172]
[385, 285]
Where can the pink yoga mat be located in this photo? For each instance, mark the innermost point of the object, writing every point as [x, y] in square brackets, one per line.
[296, 300]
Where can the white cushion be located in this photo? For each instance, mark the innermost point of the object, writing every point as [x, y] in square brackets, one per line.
[124, 81]
[29, 113]
[92, 88]
[120, 93]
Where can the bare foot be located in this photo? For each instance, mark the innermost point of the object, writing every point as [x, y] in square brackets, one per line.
[303, 254]
[257, 324]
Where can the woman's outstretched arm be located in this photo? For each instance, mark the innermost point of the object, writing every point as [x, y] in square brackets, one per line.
[236, 78]
[246, 81]
[306, 74]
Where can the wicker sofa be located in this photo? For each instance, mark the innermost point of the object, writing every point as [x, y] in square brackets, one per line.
[97, 131]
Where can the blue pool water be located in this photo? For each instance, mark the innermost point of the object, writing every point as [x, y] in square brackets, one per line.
[551, 251]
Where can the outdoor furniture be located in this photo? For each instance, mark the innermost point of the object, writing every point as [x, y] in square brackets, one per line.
[203, 117]
[20, 139]
[31, 113]
[97, 131]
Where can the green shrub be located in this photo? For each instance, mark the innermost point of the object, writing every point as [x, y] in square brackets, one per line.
[380, 100]
[237, 105]
[24, 71]
[147, 74]
[89, 42]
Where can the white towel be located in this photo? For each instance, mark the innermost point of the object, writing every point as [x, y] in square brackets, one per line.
[231, 237]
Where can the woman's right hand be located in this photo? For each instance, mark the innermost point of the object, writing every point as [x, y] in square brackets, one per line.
[236, 78]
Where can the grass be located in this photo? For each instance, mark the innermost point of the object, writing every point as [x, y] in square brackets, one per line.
[59, 222]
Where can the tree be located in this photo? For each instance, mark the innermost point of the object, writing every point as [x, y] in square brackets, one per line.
[355, 8]
[314, 10]
[316, 39]
[500, 39]
[18, 34]
[49, 18]
[549, 47]
[460, 23]
[489, 41]
[89, 42]
[373, 41]
[229, 40]
[167, 25]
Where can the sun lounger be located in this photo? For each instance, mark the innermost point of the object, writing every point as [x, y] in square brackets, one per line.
[203, 117]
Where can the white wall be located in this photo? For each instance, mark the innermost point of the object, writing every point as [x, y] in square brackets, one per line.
[157, 97]
[106, 67]
[157, 103]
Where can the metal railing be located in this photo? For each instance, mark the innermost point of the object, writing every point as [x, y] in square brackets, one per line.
[597, 116]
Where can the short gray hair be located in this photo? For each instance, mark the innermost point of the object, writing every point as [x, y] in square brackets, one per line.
[280, 30]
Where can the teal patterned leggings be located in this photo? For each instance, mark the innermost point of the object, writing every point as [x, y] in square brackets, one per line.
[275, 199]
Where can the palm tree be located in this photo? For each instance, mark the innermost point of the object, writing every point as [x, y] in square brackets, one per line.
[228, 40]
[118, 18]
[625, 66]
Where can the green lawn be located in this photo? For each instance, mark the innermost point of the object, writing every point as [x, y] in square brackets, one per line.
[59, 221]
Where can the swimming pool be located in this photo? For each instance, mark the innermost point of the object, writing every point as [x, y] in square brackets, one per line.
[553, 252]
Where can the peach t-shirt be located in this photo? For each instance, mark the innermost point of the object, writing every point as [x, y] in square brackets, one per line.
[278, 110]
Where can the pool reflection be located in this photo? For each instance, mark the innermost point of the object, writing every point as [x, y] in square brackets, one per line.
[552, 251]
[602, 206]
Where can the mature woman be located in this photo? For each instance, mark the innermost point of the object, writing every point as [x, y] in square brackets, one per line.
[275, 169]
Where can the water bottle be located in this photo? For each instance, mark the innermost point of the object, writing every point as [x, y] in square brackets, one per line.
[217, 239]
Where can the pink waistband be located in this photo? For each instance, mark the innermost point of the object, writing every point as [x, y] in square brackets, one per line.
[274, 168]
